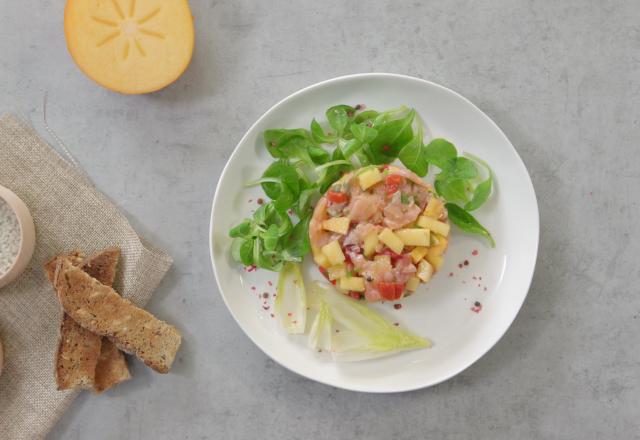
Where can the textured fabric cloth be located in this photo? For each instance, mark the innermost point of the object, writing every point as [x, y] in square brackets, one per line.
[69, 213]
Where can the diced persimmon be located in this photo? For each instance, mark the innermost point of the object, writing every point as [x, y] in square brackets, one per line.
[370, 244]
[418, 253]
[355, 284]
[339, 225]
[369, 178]
[425, 270]
[435, 260]
[320, 258]
[412, 284]
[414, 236]
[434, 225]
[434, 208]
[440, 246]
[333, 252]
[391, 240]
[434, 256]
[337, 271]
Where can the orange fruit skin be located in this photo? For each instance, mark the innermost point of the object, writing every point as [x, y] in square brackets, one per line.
[130, 46]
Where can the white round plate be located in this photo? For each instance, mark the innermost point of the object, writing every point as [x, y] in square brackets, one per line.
[443, 310]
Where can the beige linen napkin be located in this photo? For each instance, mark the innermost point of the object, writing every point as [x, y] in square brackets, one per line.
[69, 213]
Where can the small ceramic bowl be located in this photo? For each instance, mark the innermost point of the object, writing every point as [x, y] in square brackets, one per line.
[28, 236]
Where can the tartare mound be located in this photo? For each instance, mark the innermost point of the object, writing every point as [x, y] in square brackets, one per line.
[379, 232]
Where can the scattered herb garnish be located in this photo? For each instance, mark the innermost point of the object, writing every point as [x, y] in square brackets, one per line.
[308, 162]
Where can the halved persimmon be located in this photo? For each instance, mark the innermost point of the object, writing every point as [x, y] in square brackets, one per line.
[130, 46]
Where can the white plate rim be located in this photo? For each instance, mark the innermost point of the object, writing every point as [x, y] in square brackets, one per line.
[534, 255]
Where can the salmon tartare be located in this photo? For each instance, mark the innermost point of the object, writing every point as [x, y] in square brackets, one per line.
[379, 232]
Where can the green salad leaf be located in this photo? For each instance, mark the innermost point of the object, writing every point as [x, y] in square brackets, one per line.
[393, 134]
[308, 199]
[269, 238]
[242, 230]
[468, 223]
[451, 189]
[281, 183]
[459, 182]
[339, 117]
[482, 192]
[242, 251]
[308, 162]
[413, 154]
[264, 258]
[318, 155]
[285, 143]
[460, 168]
[318, 134]
[350, 147]
[439, 152]
[296, 245]
[333, 173]
[366, 117]
[364, 133]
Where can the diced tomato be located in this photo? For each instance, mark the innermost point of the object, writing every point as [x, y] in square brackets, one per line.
[355, 295]
[390, 291]
[393, 182]
[394, 179]
[337, 197]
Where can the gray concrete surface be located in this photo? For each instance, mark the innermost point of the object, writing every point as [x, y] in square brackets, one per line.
[561, 78]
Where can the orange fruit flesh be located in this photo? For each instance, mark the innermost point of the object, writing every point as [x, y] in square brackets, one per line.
[130, 46]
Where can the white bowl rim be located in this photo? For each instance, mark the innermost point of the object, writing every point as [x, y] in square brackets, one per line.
[500, 335]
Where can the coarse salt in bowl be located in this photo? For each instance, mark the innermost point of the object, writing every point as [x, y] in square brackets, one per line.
[17, 236]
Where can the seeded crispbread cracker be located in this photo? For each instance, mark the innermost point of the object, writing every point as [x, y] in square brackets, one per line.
[83, 359]
[102, 266]
[78, 349]
[101, 310]
[112, 365]
[75, 257]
